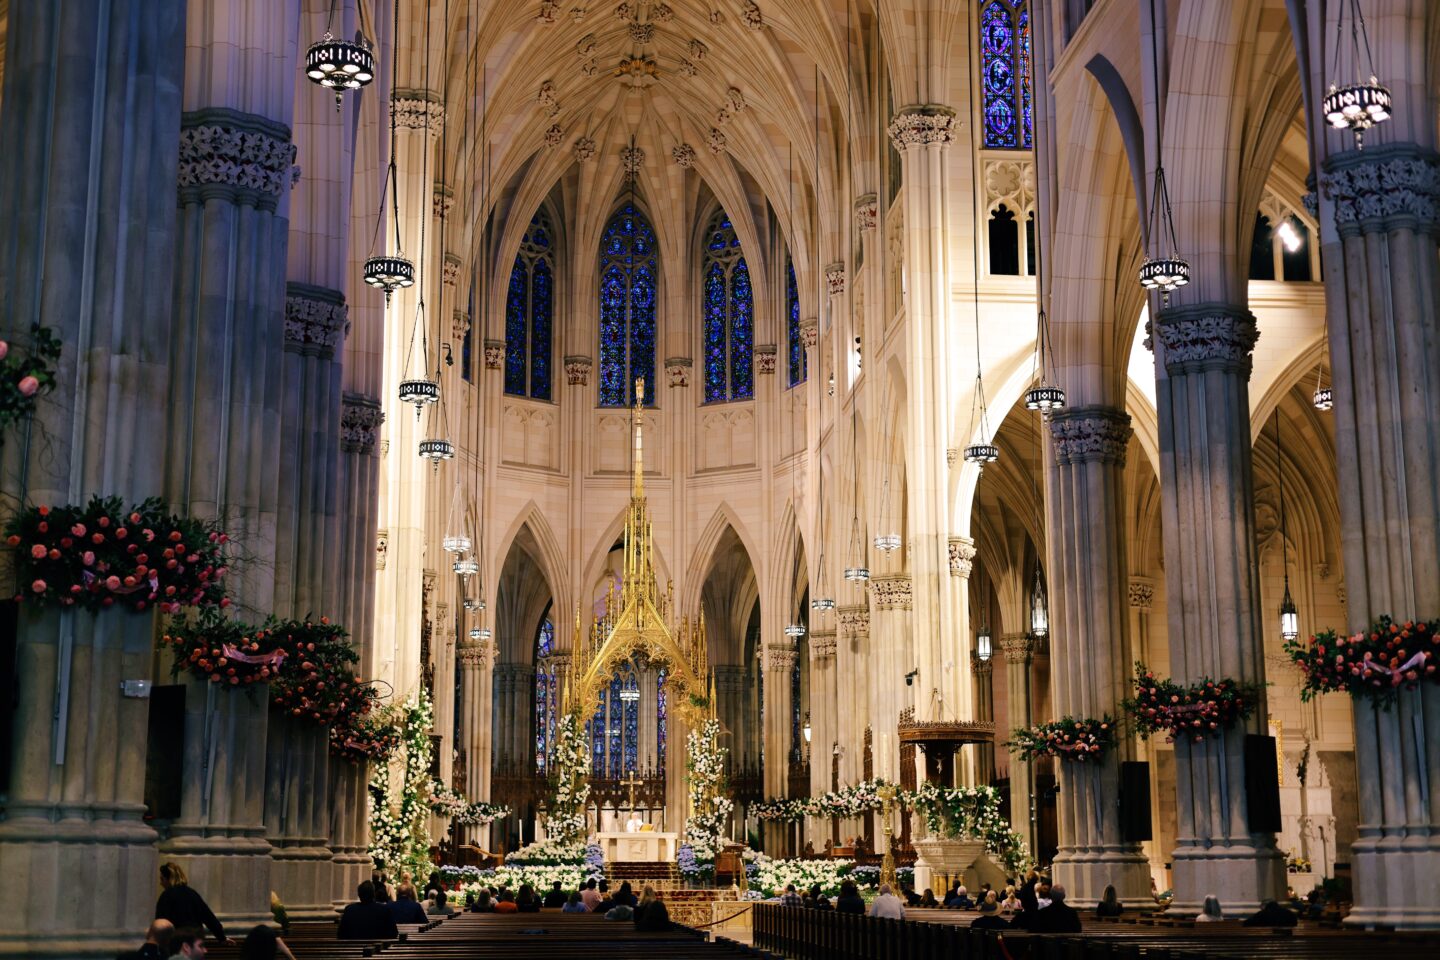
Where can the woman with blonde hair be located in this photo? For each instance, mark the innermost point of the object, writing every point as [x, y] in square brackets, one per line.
[181, 905]
[1211, 912]
[652, 914]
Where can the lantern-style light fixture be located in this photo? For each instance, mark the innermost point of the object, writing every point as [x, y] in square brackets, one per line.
[480, 633]
[806, 730]
[887, 542]
[795, 630]
[1360, 105]
[474, 604]
[458, 543]
[822, 603]
[340, 65]
[437, 449]
[388, 273]
[1039, 612]
[984, 645]
[630, 691]
[466, 567]
[1289, 615]
[1164, 270]
[1045, 396]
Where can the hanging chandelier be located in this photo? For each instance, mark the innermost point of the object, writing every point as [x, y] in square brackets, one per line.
[466, 567]
[1164, 270]
[1360, 105]
[1323, 398]
[480, 633]
[340, 65]
[1039, 613]
[857, 574]
[887, 542]
[822, 603]
[388, 273]
[630, 692]
[436, 450]
[794, 630]
[456, 544]
[474, 604]
[982, 453]
[1045, 396]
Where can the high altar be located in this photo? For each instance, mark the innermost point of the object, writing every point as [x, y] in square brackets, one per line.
[650, 846]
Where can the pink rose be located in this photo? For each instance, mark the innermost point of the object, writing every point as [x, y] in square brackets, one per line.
[113, 582]
[38, 551]
[4, 349]
[78, 529]
[87, 558]
[38, 586]
[28, 386]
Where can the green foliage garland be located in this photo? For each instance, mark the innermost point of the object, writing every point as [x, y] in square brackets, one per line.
[569, 785]
[399, 828]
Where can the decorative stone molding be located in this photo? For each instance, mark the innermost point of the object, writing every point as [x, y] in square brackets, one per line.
[765, 354]
[1141, 593]
[822, 644]
[698, 50]
[360, 419]
[1310, 200]
[980, 668]
[316, 319]
[632, 159]
[1090, 434]
[715, 140]
[548, 12]
[478, 655]
[554, 135]
[494, 354]
[677, 371]
[459, 325]
[1010, 181]
[1387, 187]
[624, 11]
[450, 270]
[922, 125]
[589, 68]
[952, 456]
[891, 592]
[577, 371]
[835, 279]
[854, 620]
[584, 150]
[717, 17]
[1017, 647]
[722, 116]
[642, 32]
[382, 548]
[577, 14]
[687, 68]
[662, 13]
[810, 332]
[441, 201]
[962, 556]
[780, 657]
[1206, 337]
[750, 15]
[585, 47]
[241, 157]
[867, 212]
[683, 155]
[418, 110]
[734, 100]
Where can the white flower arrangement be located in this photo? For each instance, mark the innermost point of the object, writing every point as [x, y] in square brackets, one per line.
[399, 830]
[570, 788]
[772, 876]
[710, 808]
[445, 802]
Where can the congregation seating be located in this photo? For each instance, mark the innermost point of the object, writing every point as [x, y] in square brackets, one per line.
[551, 934]
[932, 934]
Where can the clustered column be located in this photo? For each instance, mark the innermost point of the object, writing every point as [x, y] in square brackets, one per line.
[891, 658]
[474, 661]
[1090, 625]
[778, 662]
[1018, 649]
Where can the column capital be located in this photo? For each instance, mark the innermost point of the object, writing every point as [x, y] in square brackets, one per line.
[459, 324]
[980, 668]
[810, 332]
[1205, 336]
[558, 661]
[920, 125]
[677, 371]
[418, 110]
[450, 269]
[779, 656]
[316, 319]
[867, 212]
[822, 645]
[1387, 187]
[1141, 592]
[494, 353]
[1090, 434]
[477, 655]
[1017, 647]
[240, 157]
[765, 358]
[962, 556]
[360, 419]
[854, 620]
[577, 368]
[835, 279]
[891, 592]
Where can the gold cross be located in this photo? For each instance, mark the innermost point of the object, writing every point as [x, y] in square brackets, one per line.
[632, 783]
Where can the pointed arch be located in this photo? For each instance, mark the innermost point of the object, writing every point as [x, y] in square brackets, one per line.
[628, 288]
[548, 556]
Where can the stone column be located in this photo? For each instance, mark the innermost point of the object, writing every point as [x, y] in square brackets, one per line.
[1088, 635]
[779, 661]
[1202, 364]
[961, 560]
[922, 135]
[1381, 283]
[983, 672]
[893, 656]
[474, 659]
[823, 713]
[852, 673]
[1018, 650]
[87, 243]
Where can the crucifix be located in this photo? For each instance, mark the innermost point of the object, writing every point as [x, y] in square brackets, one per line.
[632, 783]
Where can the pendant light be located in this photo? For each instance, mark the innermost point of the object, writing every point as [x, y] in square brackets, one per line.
[340, 65]
[437, 447]
[1324, 397]
[1289, 615]
[1164, 269]
[1360, 105]
[466, 567]
[823, 601]
[984, 644]
[390, 272]
[1039, 612]
[794, 629]
[474, 604]
[857, 572]
[982, 451]
[1045, 396]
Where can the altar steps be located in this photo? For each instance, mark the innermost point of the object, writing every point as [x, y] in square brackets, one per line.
[641, 871]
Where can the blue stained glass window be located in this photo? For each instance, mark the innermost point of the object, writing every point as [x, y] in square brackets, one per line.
[529, 313]
[629, 277]
[597, 738]
[727, 316]
[799, 362]
[615, 725]
[1006, 73]
[632, 731]
[547, 706]
[542, 715]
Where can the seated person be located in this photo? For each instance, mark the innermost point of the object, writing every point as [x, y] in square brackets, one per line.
[607, 902]
[1058, 917]
[405, 908]
[483, 903]
[790, 898]
[908, 894]
[526, 900]
[816, 899]
[439, 905]
[366, 919]
[1109, 906]
[990, 905]
[849, 900]
[620, 911]
[188, 943]
[555, 898]
[652, 914]
[574, 904]
[928, 900]
[157, 942]
[505, 902]
[589, 895]
[626, 896]
[1271, 914]
[990, 921]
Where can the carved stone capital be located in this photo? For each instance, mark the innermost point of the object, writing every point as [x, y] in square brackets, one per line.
[867, 212]
[822, 644]
[1090, 434]
[716, 140]
[632, 159]
[459, 325]
[441, 201]
[750, 15]
[1017, 647]
[1206, 336]
[577, 370]
[810, 332]
[382, 544]
[548, 11]
[360, 419]
[677, 371]
[981, 668]
[418, 110]
[683, 155]
[1141, 592]
[891, 592]
[316, 319]
[835, 279]
[962, 556]
[476, 655]
[765, 355]
[494, 354]
[1388, 187]
[241, 157]
[450, 270]
[780, 657]
[922, 125]
[854, 620]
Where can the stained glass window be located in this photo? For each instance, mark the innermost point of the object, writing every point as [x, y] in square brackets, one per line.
[546, 704]
[1006, 73]
[615, 725]
[632, 728]
[799, 363]
[727, 315]
[629, 273]
[529, 313]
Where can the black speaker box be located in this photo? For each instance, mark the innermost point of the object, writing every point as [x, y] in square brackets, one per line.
[1134, 801]
[1262, 784]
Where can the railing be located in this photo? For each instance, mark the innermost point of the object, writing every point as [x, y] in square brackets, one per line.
[802, 934]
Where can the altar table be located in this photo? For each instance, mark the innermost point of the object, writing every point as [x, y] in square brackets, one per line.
[647, 847]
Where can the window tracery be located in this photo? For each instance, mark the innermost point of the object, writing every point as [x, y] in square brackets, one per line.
[1005, 74]
[629, 277]
[529, 312]
[728, 315]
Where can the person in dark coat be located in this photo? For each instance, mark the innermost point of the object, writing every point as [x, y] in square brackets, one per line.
[1059, 917]
[1270, 914]
[182, 906]
[1109, 906]
[405, 908]
[366, 919]
[555, 898]
[626, 896]
[652, 915]
[849, 900]
[990, 921]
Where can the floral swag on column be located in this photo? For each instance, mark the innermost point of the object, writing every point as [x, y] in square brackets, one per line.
[710, 807]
